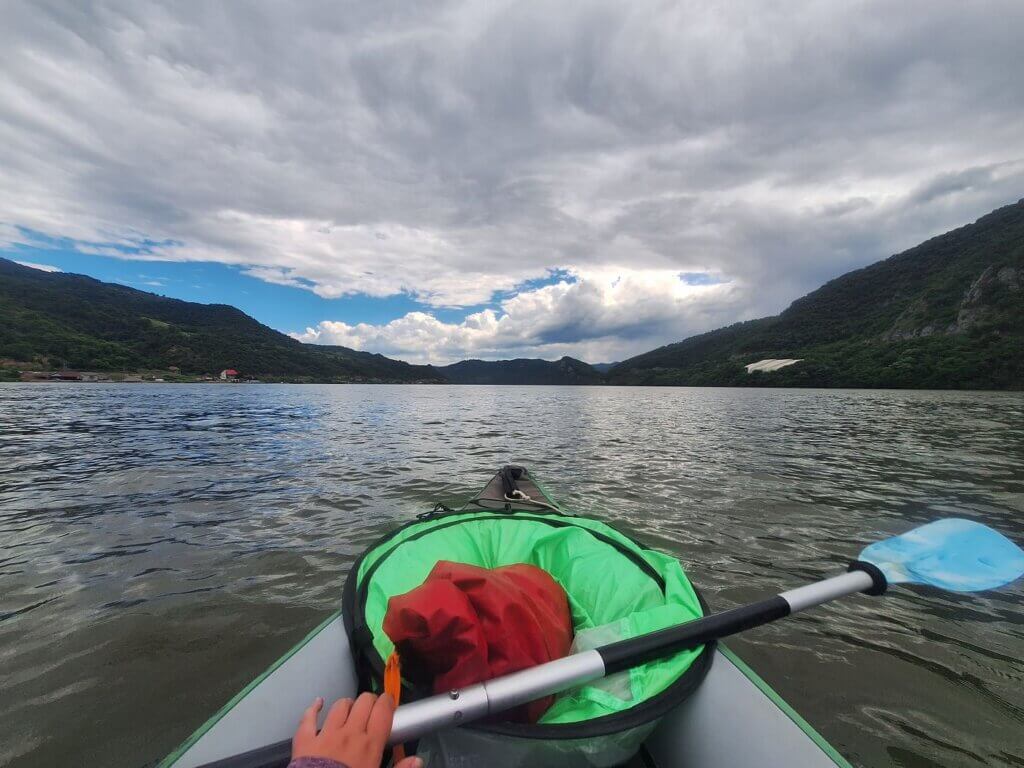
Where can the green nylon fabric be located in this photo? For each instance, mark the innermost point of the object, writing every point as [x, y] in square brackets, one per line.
[604, 586]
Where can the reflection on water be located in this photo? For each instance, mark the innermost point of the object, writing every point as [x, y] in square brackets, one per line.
[162, 544]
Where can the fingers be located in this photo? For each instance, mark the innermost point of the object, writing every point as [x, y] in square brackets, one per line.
[378, 726]
[409, 762]
[307, 725]
[361, 710]
[338, 715]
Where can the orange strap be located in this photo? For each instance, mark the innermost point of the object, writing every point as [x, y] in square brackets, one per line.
[393, 686]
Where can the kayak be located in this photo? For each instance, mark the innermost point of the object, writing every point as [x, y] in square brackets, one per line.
[733, 718]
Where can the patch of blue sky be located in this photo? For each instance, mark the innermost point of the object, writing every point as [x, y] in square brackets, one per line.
[455, 315]
[458, 314]
[42, 241]
[701, 278]
[285, 308]
[552, 278]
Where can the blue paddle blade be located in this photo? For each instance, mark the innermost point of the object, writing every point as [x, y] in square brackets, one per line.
[955, 554]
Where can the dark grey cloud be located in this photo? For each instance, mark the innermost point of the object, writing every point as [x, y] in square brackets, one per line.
[955, 182]
[455, 149]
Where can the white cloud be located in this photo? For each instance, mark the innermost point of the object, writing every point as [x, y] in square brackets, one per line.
[595, 315]
[40, 267]
[453, 149]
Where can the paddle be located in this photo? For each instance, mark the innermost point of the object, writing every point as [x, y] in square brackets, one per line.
[953, 554]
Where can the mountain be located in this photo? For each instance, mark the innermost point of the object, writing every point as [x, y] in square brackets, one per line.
[378, 367]
[946, 314]
[568, 370]
[57, 319]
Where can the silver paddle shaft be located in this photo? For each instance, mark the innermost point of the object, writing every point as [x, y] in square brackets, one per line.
[820, 592]
[501, 693]
[496, 695]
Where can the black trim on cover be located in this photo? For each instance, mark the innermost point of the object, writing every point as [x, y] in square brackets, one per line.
[370, 667]
[880, 582]
[354, 605]
[645, 757]
[348, 594]
[637, 560]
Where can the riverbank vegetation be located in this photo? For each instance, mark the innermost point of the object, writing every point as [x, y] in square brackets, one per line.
[947, 314]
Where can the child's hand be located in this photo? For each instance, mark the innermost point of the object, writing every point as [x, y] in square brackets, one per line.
[354, 734]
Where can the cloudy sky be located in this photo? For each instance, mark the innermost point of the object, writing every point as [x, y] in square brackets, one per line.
[438, 180]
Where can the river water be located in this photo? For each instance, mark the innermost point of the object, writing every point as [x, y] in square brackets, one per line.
[161, 544]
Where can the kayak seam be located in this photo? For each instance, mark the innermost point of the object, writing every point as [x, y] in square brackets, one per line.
[206, 727]
[786, 708]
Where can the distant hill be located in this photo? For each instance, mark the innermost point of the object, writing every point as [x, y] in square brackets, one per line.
[377, 366]
[948, 313]
[63, 319]
[568, 370]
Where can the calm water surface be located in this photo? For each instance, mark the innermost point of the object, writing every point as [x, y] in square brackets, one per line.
[161, 544]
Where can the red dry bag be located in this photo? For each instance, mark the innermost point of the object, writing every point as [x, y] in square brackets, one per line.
[466, 624]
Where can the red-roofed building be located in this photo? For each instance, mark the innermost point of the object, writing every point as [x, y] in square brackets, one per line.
[228, 374]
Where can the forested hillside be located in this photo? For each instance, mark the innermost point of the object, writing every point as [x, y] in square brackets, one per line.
[64, 320]
[568, 370]
[948, 313]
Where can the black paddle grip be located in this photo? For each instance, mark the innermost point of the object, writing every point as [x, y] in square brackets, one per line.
[625, 654]
[872, 570]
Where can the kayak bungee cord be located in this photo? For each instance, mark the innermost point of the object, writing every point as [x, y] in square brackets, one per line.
[521, 498]
[952, 554]
[509, 476]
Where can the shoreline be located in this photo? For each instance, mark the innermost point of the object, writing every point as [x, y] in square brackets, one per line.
[760, 386]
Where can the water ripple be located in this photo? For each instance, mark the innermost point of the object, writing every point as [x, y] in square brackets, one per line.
[162, 544]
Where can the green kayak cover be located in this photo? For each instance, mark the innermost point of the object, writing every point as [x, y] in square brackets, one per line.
[617, 588]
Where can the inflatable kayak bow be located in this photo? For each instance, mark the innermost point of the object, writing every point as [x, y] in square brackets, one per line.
[732, 719]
